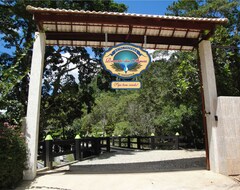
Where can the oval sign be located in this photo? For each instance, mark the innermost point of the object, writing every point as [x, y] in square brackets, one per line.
[126, 60]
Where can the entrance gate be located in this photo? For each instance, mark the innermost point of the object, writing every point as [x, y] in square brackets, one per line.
[104, 29]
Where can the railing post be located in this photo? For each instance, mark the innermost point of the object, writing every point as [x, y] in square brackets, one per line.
[153, 146]
[108, 144]
[113, 140]
[48, 153]
[87, 143]
[78, 148]
[119, 141]
[97, 146]
[128, 142]
[177, 141]
[138, 143]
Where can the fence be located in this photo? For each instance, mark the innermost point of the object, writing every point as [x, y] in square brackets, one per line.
[81, 148]
[149, 142]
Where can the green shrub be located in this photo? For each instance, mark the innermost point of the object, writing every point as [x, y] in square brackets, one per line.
[12, 155]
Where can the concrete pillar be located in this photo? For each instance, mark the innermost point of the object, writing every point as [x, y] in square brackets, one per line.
[210, 96]
[33, 108]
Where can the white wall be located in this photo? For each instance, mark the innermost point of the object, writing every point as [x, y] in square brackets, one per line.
[228, 133]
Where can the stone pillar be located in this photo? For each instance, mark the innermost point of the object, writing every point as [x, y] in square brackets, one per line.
[33, 107]
[210, 96]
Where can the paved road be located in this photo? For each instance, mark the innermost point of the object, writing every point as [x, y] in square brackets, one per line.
[183, 178]
[121, 161]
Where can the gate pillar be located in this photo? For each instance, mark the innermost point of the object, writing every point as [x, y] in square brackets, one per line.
[210, 101]
[33, 107]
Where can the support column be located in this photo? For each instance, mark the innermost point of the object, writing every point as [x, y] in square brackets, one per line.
[33, 107]
[210, 97]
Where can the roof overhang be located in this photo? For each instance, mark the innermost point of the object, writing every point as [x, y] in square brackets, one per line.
[106, 29]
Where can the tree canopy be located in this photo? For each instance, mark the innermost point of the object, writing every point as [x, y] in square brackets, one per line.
[61, 90]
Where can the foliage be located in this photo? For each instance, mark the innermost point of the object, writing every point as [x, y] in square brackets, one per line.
[111, 110]
[12, 155]
[170, 96]
[61, 89]
[225, 42]
[14, 111]
[123, 128]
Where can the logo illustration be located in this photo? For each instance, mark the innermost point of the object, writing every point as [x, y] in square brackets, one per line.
[126, 60]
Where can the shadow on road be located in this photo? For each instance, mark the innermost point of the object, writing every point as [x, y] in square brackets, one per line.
[117, 161]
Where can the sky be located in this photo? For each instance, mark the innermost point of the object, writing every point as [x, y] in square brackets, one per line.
[157, 7]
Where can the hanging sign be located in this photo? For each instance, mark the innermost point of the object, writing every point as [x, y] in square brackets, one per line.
[126, 61]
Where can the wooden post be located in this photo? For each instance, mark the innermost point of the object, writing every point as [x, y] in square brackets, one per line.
[138, 143]
[177, 141]
[113, 141]
[78, 148]
[87, 143]
[97, 146]
[48, 149]
[153, 141]
[128, 142]
[119, 141]
[108, 144]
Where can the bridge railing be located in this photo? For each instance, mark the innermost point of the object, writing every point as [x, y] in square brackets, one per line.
[148, 142]
[81, 148]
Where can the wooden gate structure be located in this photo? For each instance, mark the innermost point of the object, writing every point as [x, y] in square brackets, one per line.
[105, 29]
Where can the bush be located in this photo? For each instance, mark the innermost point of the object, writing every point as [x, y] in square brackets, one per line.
[12, 155]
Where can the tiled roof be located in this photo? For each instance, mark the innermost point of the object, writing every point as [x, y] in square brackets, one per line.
[50, 10]
[104, 29]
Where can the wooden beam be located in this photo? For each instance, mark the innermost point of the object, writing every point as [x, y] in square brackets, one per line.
[129, 32]
[120, 38]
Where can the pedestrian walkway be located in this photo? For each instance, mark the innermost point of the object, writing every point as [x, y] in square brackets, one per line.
[123, 170]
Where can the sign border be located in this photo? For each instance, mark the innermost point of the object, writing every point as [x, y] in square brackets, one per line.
[116, 75]
[126, 88]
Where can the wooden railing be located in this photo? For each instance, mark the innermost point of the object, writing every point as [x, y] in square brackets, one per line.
[81, 148]
[148, 142]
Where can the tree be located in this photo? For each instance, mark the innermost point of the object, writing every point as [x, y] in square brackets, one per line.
[15, 66]
[225, 42]
[225, 54]
[171, 95]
